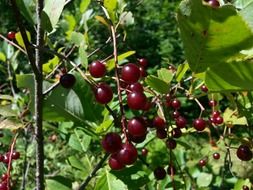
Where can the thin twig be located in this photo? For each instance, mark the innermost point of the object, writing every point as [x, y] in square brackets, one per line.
[93, 173]
[12, 43]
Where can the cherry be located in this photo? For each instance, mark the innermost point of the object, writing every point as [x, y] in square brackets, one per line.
[176, 133]
[161, 133]
[144, 152]
[199, 124]
[245, 187]
[136, 127]
[6, 159]
[136, 100]
[67, 80]
[214, 3]
[136, 87]
[168, 100]
[212, 103]
[114, 162]
[103, 93]
[15, 155]
[4, 177]
[127, 154]
[202, 162]
[3, 186]
[181, 122]
[175, 114]
[137, 139]
[218, 120]
[176, 104]
[11, 35]
[171, 170]
[159, 123]
[143, 62]
[130, 73]
[215, 114]
[1, 157]
[111, 142]
[244, 153]
[143, 72]
[159, 173]
[216, 156]
[147, 106]
[97, 69]
[171, 143]
[204, 88]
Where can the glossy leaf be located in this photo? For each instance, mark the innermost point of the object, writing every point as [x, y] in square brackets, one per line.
[157, 84]
[181, 70]
[111, 6]
[20, 39]
[51, 64]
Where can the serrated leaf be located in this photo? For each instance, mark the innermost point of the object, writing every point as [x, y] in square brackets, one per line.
[230, 118]
[111, 6]
[110, 62]
[181, 70]
[51, 13]
[109, 182]
[157, 84]
[204, 179]
[165, 75]
[20, 39]
[51, 64]
[84, 5]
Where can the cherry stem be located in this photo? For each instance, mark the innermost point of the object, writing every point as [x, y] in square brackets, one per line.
[200, 105]
[10, 160]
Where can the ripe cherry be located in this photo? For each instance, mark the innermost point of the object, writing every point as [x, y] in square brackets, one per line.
[171, 143]
[136, 100]
[4, 176]
[67, 80]
[159, 173]
[181, 122]
[136, 139]
[215, 114]
[136, 87]
[143, 72]
[176, 132]
[218, 120]
[199, 124]
[175, 114]
[202, 162]
[111, 142]
[97, 69]
[161, 133]
[103, 93]
[3, 186]
[1, 157]
[245, 187]
[114, 162]
[143, 62]
[136, 127]
[127, 154]
[244, 153]
[11, 35]
[144, 152]
[159, 123]
[6, 159]
[15, 155]
[216, 156]
[212, 103]
[204, 88]
[176, 104]
[214, 3]
[130, 73]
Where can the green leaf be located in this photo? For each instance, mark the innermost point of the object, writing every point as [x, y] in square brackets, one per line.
[51, 13]
[11, 124]
[2, 57]
[181, 70]
[51, 64]
[103, 127]
[76, 163]
[230, 118]
[25, 10]
[157, 84]
[109, 182]
[83, 56]
[77, 38]
[84, 5]
[20, 39]
[165, 75]
[58, 182]
[240, 183]
[7, 111]
[110, 62]
[111, 6]
[204, 179]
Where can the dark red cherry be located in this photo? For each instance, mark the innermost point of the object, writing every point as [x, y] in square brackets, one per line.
[111, 142]
[159, 123]
[216, 156]
[159, 173]
[215, 114]
[181, 122]
[114, 162]
[218, 120]
[3, 186]
[143, 62]
[67, 80]
[244, 153]
[6, 159]
[136, 139]
[15, 155]
[161, 133]
[97, 69]
[11, 35]
[202, 162]
[245, 187]
[214, 3]
[136, 100]
[212, 103]
[144, 152]
[103, 93]
[176, 132]
[199, 124]
[176, 104]
[130, 73]
[136, 127]
[1, 157]
[4, 177]
[171, 143]
[175, 114]
[136, 87]
[127, 154]
[204, 88]
[143, 72]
